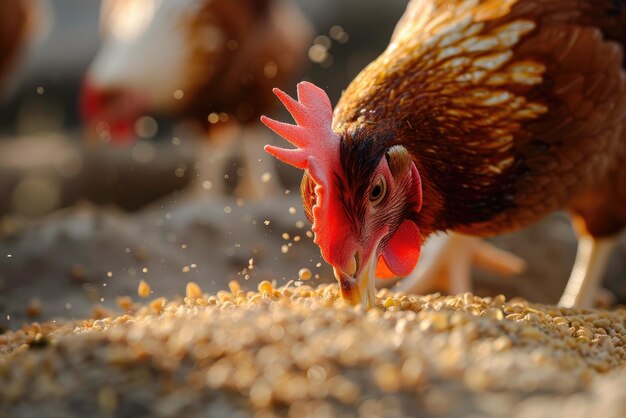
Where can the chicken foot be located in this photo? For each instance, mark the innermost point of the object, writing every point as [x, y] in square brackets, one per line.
[446, 264]
[592, 258]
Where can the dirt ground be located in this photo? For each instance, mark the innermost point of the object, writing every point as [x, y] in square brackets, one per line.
[82, 255]
[302, 352]
[59, 268]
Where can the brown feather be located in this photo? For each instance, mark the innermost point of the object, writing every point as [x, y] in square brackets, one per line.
[398, 159]
[265, 43]
[510, 109]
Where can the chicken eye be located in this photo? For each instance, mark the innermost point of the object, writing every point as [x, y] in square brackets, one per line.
[378, 191]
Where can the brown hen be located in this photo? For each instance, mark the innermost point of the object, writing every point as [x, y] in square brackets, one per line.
[480, 117]
[510, 109]
[14, 21]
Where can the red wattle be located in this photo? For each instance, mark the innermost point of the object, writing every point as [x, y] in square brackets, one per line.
[401, 252]
[382, 270]
[117, 109]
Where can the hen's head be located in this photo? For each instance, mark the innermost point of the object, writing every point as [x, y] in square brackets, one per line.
[362, 194]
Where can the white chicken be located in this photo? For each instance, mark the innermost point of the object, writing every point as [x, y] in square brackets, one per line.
[213, 61]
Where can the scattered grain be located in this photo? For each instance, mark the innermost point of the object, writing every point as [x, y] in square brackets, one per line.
[303, 351]
[266, 177]
[157, 305]
[234, 287]
[266, 287]
[124, 302]
[34, 308]
[144, 289]
[193, 291]
[304, 274]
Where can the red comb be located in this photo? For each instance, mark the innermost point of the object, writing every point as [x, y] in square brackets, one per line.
[317, 144]
[317, 151]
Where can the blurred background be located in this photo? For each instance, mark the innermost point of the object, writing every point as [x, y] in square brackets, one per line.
[130, 149]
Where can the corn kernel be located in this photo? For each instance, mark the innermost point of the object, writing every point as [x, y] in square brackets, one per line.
[266, 286]
[144, 289]
[234, 287]
[124, 302]
[193, 291]
[158, 305]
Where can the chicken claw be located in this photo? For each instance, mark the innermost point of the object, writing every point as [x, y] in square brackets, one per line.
[585, 280]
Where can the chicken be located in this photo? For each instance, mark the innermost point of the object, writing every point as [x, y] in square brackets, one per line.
[14, 30]
[480, 117]
[209, 60]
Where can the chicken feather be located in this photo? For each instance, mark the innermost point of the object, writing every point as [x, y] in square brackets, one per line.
[512, 109]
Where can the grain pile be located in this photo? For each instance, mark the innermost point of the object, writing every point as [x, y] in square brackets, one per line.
[301, 351]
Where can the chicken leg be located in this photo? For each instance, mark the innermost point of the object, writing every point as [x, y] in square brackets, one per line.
[243, 142]
[592, 257]
[446, 263]
[213, 154]
[261, 179]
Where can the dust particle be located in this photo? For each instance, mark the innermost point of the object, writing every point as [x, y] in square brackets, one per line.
[304, 274]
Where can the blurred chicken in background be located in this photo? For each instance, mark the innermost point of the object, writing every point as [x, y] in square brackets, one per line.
[45, 47]
[16, 22]
[213, 62]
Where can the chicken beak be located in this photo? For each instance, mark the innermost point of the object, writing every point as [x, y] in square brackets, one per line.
[360, 290]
